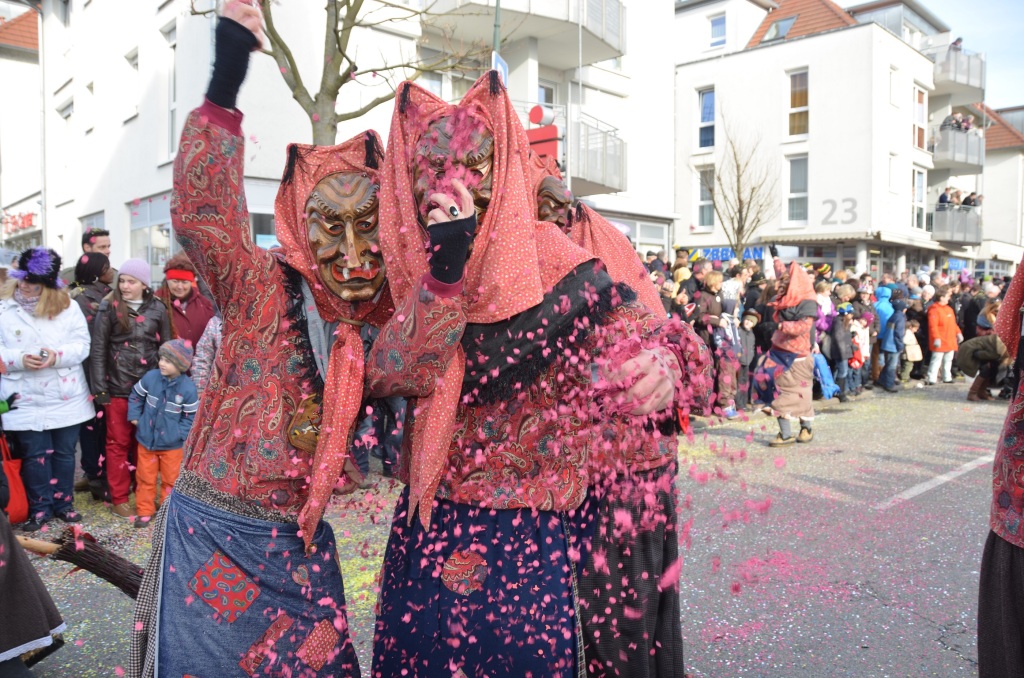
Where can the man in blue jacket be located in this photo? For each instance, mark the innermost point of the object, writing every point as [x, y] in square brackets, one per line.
[890, 340]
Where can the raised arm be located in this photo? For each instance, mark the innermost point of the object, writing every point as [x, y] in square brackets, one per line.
[208, 210]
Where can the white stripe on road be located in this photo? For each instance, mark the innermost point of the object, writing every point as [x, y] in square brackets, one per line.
[933, 483]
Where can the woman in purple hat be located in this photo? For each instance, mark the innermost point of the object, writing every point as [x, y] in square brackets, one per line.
[43, 341]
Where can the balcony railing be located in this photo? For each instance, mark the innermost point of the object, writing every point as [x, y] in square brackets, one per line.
[960, 225]
[960, 68]
[598, 154]
[605, 20]
[953, 148]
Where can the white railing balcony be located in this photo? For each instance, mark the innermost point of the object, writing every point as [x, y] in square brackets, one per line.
[594, 156]
[960, 68]
[555, 24]
[598, 158]
[957, 71]
[962, 151]
[958, 225]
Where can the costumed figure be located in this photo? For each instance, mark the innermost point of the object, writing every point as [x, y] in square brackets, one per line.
[591, 231]
[554, 199]
[1001, 590]
[631, 571]
[785, 377]
[244, 578]
[511, 343]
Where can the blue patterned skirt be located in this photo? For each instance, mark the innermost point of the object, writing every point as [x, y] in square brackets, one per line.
[239, 597]
[483, 593]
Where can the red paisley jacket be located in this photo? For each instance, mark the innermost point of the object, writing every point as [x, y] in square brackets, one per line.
[534, 451]
[239, 442]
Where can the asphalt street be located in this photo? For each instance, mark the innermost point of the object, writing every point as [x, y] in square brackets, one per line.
[855, 555]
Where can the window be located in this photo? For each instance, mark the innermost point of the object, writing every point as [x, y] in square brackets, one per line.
[718, 30]
[432, 81]
[706, 206]
[64, 12]
[264, 232]
[707, 118]
[779, 30]
[917, 198]
[546, 93]
[798, 190]
[893, 173]
[920, 116]
[798, 109]
[93, 221]
[131, 84]
[66, 111]
[151, 232]
[171, 35]
[895, 90]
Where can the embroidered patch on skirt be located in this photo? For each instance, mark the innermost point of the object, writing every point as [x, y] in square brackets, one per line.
[239, 597]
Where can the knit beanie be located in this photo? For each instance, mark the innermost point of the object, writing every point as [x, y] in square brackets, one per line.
[178, 352]
[90, 267]
[138, 269]
[40, 266]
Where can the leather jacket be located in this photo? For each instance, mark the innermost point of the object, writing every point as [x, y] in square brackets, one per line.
[118, 358]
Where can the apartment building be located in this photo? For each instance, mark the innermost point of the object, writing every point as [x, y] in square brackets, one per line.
[1003, 211]
[846, 107]
[119, 77]
[20, 129]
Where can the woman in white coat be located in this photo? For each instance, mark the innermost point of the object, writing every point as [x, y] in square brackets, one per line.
[43, 341]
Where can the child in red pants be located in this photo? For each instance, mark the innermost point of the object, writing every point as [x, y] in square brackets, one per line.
[162, 406]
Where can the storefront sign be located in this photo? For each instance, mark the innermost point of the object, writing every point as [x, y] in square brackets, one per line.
[726, 253]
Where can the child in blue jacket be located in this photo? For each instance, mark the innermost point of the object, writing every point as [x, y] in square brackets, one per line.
[162, 406]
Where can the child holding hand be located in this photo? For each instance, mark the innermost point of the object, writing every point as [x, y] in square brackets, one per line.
[162, 406]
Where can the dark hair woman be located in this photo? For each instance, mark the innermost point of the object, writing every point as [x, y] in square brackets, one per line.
[93, 278]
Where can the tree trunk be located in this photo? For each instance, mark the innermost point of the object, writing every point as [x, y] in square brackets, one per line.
[325, 133]
[325, 124]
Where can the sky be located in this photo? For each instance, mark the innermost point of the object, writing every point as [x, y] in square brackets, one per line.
[995, 28]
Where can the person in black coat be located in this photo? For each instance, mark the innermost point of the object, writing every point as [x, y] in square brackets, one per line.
[842, 347]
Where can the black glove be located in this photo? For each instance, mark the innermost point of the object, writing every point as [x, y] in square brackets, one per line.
[449, 248]
[231, 61]
[774, 250]
[101, 398]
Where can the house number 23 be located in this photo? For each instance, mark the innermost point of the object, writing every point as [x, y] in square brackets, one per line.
[849, 211]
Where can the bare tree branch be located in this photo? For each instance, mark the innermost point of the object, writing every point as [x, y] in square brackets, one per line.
[743, 188]
[339, 63]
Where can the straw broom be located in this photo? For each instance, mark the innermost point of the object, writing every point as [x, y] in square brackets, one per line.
[81, 550]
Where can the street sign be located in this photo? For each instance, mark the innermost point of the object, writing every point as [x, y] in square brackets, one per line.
[499, 64]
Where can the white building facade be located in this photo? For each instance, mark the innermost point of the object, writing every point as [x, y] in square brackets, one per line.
[120, 76]
[848, 113]
[20, 130]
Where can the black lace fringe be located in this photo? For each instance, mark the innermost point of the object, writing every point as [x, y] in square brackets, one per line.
[403, 99]
[530, 366]
[495, 83]
[374, 153]
[296, 314]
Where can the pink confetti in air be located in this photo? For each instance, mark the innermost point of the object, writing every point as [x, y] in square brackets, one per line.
[670, 577]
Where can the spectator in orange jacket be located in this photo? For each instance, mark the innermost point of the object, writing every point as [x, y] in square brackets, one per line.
[943, 336]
